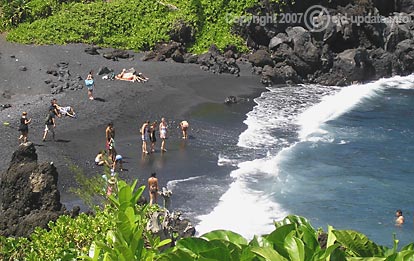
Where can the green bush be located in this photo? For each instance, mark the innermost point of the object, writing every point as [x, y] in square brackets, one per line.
[129, 24]
[66, 239]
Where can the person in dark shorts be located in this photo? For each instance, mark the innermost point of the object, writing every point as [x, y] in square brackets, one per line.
[24, 127]
[50, 125]
[153, 136]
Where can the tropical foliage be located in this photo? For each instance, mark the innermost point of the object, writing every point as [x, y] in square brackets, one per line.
[127, 24]
[118, 232]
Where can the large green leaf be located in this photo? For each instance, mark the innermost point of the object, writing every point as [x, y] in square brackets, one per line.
[278, 238]
[176, 255]
[358, 244]
[408, 247]
[268, 253]
[293, 219]
[227, 236]
[295, 247]
[194, 246]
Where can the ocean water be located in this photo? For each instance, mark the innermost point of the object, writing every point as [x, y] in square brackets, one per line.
[338, 156]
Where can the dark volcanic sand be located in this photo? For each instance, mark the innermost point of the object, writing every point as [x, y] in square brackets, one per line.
[175, 91]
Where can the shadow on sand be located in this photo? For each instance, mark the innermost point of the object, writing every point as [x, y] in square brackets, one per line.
[99, 99]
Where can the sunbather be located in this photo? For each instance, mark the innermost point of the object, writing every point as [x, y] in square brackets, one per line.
[129, 75]
[66, 111]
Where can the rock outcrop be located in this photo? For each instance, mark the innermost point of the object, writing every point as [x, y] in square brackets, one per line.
[344, 51]
[28, 193]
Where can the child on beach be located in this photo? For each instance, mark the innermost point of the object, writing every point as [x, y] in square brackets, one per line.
[90, 83]
[101, 159]
[24, 127]
[117, 163]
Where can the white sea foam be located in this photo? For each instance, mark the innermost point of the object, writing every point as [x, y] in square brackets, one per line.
[172, 183]
[333, 106]
[245, 210]
[224, 161]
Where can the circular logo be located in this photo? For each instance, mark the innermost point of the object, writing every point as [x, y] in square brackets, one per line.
[317, 18]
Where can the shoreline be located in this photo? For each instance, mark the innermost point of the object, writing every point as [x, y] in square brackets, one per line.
[174, 91]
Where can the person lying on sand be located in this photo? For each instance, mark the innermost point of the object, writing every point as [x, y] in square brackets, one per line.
[65, 110]
[131, 76]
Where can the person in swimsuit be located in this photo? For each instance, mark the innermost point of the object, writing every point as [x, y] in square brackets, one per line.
[24, 127]
[184, 127]
[145, 136]
[50, 125]
[399, 221]
[66, 111]
[163, 133]
[131, 76]
[109, 133]
[153, 188]
[90, 84]
[101, 159]
[152, 135]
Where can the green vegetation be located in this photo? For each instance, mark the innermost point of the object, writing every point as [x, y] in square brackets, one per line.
[125, 24]
[118, 232]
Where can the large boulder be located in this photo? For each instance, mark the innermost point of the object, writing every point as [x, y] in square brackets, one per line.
[382, 62]
[28, 193]
[405, 57]
[405, 6]
[302, 45]
[216, 62]
[117, 54]
[261, 58]
[182, 32]
[350, 66]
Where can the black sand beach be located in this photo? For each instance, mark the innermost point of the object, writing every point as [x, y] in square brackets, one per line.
[175, 91]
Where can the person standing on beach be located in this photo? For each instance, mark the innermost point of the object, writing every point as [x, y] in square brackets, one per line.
[152, 135]
[24, 127]
[153, 188]
[53, 107]
[145, 136]
[109, 133]
[50, 125]
[163, 133]
[399, 221]
[184, 127]
[90, 84]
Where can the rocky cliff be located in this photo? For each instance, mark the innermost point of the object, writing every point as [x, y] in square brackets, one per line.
[28, 193]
